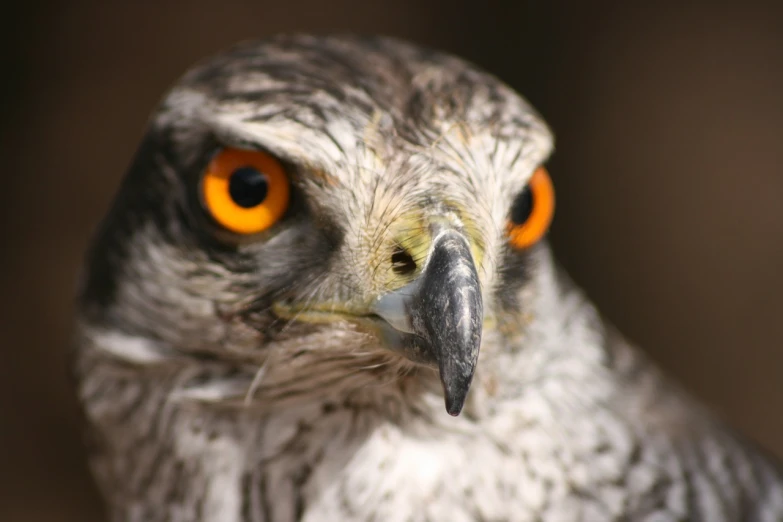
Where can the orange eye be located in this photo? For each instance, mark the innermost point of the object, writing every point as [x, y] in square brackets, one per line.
[532, 211]
[246, 191]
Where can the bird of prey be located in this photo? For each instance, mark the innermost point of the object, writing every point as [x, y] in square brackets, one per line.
[323, 293]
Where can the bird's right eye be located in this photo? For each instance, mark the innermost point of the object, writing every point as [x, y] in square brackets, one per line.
[245, 191]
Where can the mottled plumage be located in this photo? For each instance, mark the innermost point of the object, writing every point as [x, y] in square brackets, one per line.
[232, 379]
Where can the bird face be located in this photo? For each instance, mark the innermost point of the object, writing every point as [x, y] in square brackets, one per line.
[332, 210]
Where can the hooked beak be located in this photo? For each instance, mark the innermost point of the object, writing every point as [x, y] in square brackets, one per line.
[438, 318]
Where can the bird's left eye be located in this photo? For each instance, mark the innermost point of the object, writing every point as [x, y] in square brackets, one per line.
[245, 191]
[532, 211]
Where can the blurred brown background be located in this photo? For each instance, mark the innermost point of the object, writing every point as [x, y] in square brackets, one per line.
[670, 145]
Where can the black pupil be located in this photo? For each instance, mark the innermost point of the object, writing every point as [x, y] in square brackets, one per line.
[522, 207]
[248, 187]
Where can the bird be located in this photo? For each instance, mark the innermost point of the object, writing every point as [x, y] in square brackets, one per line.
[324, 292]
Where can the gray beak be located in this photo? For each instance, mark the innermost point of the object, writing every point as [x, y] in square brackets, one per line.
[439, 316]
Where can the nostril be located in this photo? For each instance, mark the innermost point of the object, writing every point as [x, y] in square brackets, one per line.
[402, 262]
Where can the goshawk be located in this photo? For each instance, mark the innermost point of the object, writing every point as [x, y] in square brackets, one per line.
[319, 243]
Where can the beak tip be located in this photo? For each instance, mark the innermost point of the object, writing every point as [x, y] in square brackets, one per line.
[453, 406]
[455, 391]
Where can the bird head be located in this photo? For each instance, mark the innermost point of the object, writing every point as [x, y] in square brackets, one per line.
[327, 207]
